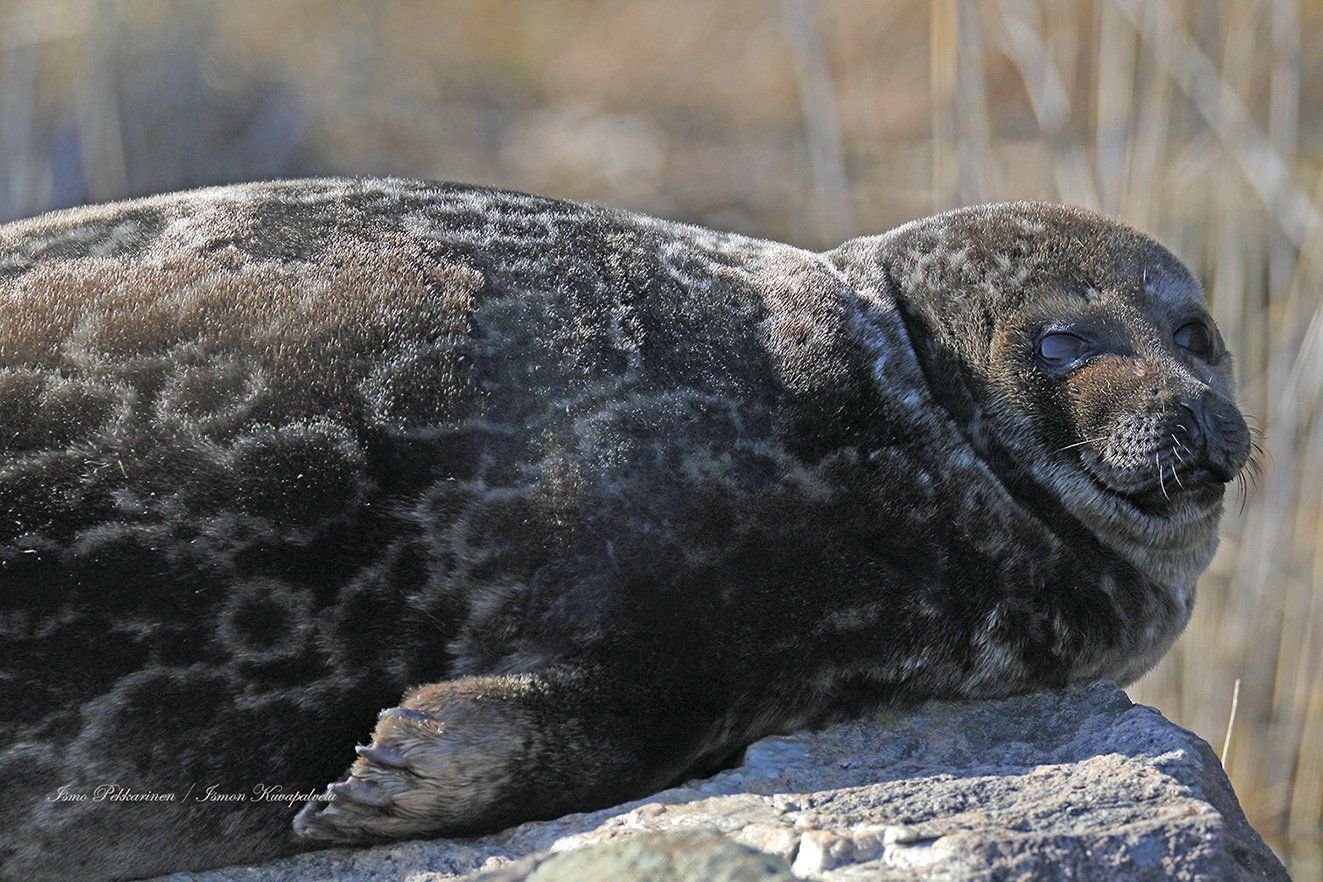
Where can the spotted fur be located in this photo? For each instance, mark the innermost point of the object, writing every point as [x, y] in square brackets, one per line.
[603, 497]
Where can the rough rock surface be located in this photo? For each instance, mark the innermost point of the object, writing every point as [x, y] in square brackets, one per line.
[1077, 784]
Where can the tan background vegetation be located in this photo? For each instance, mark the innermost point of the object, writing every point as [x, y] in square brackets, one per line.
[807, 122]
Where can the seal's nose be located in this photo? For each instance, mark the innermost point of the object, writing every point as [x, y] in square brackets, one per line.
[1217, 434]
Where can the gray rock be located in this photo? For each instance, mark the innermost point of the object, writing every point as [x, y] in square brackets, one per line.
[676, 856]
[1076, 784]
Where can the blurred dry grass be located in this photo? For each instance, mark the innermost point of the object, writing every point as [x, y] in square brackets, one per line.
[808, 122]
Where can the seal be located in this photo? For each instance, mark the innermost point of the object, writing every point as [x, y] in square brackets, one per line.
[586, 500]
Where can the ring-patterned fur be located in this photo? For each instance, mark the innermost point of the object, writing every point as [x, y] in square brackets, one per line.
[620, 495]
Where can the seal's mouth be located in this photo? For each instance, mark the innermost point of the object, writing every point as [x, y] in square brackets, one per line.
[1160, 490]
[1164, 503]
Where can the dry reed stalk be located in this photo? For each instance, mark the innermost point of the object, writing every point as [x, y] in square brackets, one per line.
[978, 174]
[1213, 97]
[1022, 38]
[97, 110]
[1231, 723]
[1113, 100]
[1283, 120]
[1146, 151]
[942, 76]
[25, 184]
[821, 122]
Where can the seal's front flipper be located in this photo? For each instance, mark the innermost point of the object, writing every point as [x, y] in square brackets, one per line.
[481, 753]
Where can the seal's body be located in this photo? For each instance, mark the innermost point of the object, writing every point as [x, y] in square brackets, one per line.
[603, 497]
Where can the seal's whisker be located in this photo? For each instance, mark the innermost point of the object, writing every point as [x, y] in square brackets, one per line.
[1081, 443]
[1157, 461]
[1177, 449]
[1181, 443]
[1247, 479]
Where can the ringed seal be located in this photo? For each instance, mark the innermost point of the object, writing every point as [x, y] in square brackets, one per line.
[603, 497]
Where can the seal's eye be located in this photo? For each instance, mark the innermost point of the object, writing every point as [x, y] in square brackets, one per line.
[1060, 349]
[1195, 337]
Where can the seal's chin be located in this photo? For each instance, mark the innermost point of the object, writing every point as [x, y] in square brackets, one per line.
[1160, 490]
[1167, 501]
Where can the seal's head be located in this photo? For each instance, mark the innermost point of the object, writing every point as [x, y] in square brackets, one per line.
[1080, 352]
